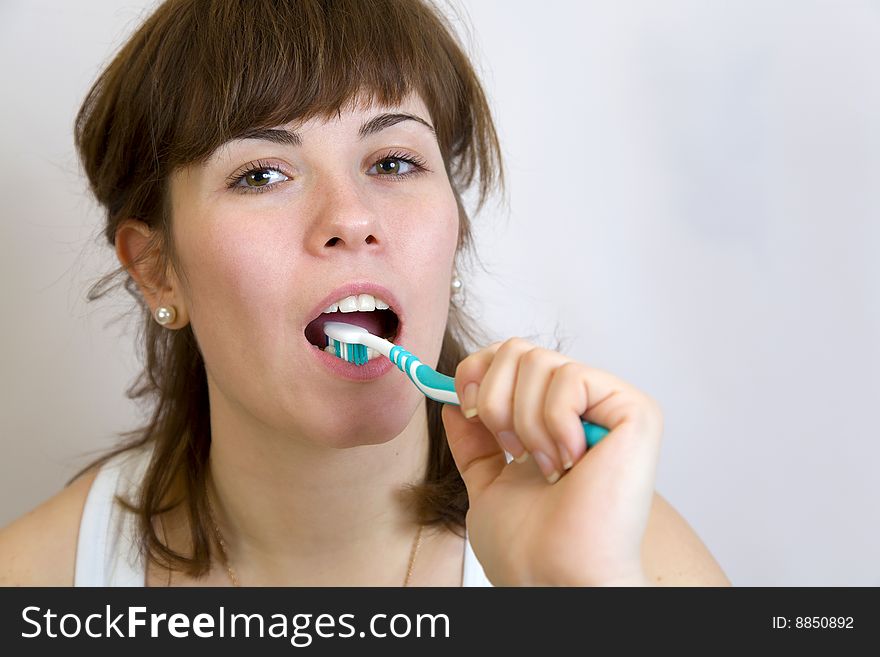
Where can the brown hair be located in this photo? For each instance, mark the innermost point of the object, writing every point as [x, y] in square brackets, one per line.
[197, 74]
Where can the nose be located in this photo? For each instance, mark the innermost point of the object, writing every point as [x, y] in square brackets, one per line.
[345, 218]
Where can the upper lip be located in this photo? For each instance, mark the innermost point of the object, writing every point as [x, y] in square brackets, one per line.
[355, 288]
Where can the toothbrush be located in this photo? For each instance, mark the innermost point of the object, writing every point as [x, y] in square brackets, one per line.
[350, 343]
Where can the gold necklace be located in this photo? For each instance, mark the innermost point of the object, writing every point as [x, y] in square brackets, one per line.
[234, 579]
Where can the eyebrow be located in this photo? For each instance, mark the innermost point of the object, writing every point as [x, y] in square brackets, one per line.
[374, 125]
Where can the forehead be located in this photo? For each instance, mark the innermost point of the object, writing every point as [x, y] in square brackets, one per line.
[361, 106]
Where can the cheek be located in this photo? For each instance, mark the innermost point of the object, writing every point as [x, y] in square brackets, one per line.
[238, 283]
[225, 257]
[424, 271]
[238, 267]
[428, 241]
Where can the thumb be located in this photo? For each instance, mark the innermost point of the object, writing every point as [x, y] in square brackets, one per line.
[478, 456]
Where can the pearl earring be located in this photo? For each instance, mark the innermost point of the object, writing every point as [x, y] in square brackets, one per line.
[165, 314]
[456, 285]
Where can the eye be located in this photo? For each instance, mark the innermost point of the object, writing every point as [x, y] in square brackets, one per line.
[256, 177]
[260, 177]
[389, 166]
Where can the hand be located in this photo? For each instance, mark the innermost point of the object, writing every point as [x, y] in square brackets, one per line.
[534, 522]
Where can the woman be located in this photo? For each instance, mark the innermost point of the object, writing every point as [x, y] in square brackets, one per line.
[260, 163]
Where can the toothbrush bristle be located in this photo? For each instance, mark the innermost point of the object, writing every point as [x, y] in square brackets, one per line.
[353, 353]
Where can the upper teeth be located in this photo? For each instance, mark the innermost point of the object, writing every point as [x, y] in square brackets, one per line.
[357, 303]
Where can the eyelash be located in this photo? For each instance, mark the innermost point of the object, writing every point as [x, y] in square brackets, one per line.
[259, 165]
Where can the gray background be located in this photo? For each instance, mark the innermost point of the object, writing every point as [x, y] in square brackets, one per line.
[693, 206]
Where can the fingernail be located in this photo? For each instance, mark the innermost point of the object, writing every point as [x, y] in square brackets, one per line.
[547, 468]
[511, 443]
[469, 401]
[565, 456]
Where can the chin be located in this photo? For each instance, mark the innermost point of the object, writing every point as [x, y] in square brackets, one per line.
[360, 434]
[380, 426]
[380, 422]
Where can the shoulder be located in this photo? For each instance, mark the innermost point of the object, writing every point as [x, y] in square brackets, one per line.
[39, 548]
[672, 552]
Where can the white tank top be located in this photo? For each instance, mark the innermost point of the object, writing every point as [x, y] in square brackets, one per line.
[107, 552]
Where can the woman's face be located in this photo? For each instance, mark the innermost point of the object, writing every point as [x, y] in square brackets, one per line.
[265, 230]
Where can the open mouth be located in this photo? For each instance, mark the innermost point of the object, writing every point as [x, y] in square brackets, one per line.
[383, 323]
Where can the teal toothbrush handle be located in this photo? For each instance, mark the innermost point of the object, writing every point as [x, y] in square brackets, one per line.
[441, 388]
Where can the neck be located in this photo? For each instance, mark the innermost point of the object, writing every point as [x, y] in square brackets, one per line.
[293, 512]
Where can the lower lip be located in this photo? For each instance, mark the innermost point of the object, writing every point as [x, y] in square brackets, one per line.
[373, 369]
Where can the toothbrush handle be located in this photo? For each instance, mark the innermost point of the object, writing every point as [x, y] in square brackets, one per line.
[441, 388]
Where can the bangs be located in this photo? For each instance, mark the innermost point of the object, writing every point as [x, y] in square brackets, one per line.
[262, 64]
[199, 73]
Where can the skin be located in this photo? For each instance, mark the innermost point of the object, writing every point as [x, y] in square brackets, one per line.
[255, 265]
[589, 511]
[252, 267]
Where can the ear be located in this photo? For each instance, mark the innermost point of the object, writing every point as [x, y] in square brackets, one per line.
[141, 259]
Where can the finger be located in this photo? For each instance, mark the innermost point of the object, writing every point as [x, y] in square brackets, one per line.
[470, 370]
[475, 451]
[533, 379]
[469, 376]
[609, 399]
[564, 406]
[578, 391]
[624, 463]
[495, 395]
